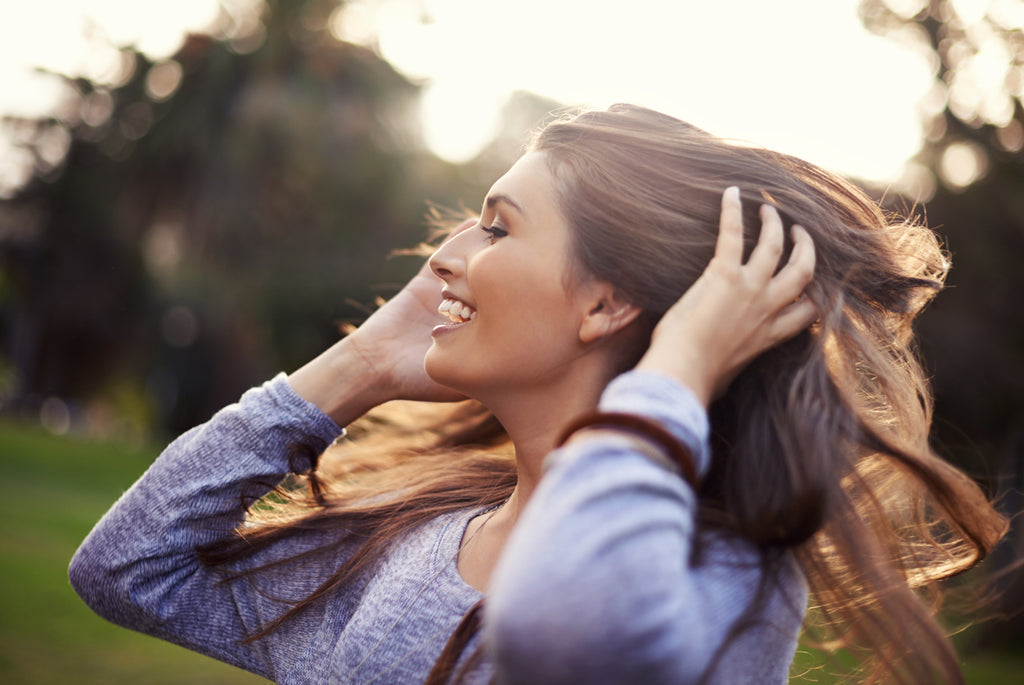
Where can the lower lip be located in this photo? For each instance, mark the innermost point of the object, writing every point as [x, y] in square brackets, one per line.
[446, 328]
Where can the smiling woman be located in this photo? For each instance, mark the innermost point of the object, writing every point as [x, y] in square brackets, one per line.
[686, 401]
[513, 272]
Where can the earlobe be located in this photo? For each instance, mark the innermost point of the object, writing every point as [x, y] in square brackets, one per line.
[607, 316]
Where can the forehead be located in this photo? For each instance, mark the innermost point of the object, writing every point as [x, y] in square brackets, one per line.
[527, 188]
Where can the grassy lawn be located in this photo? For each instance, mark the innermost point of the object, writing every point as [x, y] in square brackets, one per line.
[811, 668]
[56, 489]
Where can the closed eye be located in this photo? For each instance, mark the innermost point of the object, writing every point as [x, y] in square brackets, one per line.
[494, 231]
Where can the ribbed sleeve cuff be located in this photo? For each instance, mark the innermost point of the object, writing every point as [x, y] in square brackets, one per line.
[284, 401]
[670, 403]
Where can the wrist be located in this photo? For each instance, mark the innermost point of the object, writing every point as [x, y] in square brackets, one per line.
[660, 397]
[341, 382]
[683, 370]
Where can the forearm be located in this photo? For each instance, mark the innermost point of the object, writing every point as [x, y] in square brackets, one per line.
[139, 566]
[597, 583]
[342, 382]
[597, 561]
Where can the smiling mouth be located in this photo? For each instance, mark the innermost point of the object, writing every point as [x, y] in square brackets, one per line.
[456, 311]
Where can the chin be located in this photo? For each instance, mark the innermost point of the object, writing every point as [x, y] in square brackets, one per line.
[445, 372]
[453, 374]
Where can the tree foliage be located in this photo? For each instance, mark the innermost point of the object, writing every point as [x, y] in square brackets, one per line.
[213, 219]
[973, 336]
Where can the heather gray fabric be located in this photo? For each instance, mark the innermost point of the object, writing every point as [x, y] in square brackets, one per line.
[595, 585]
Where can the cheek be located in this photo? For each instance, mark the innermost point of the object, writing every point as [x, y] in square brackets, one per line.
[533, 332]
[525, 299]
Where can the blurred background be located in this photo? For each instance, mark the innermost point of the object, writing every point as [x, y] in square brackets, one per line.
[195, 194]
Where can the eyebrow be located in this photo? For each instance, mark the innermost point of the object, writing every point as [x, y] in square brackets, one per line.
[499, 197]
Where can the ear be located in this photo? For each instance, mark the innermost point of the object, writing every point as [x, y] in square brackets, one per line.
[607, 313]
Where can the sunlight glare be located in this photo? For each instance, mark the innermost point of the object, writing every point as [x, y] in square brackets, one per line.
[970, 11]
[1008, 14]
[800, 76]
[835, 95]
[153, 28]
[906, 8]
[80, 38]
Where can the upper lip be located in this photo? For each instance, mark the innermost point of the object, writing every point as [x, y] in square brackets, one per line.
[447, 295]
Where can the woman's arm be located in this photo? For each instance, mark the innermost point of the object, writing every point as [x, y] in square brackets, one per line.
[139, 567]
[598, 583]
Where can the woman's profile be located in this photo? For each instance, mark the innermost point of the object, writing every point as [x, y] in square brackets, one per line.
[657, 400]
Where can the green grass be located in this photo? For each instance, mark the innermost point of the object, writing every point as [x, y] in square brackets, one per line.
[984, 668]
[55, 490]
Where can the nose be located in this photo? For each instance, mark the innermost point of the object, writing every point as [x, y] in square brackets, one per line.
[449, 260]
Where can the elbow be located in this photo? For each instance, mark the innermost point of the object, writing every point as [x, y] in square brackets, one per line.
[94, 579]
[88, 577]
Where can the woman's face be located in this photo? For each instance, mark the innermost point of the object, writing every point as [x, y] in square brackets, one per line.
[513, 314]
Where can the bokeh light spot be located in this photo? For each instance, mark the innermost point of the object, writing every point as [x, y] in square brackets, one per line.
[179, 327]
[1011, 136]
[163, 79]
[962, 164]
[55, 416]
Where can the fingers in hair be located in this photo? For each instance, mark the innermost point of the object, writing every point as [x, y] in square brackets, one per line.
[793, 318]
[790, 284]
[800, 266]
[729, 246]
[764, 260]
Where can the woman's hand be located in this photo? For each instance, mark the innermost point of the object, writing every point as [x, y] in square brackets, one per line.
[735, 311]
[396, 337]
[382, 360]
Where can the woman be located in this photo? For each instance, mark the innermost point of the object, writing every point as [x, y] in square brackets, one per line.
[760, 435]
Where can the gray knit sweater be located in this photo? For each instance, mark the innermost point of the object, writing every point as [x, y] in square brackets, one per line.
[595, 585]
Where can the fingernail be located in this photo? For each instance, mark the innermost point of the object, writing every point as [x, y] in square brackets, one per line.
[732, 193]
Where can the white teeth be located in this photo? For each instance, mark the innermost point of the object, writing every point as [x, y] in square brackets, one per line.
[458, 312]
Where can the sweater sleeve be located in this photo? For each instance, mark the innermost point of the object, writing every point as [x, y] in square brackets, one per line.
[139, 567]
[596, 583]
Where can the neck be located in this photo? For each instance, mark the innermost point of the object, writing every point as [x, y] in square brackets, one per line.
[534, 418]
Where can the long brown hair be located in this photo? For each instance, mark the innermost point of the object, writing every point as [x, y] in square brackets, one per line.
[820, 446]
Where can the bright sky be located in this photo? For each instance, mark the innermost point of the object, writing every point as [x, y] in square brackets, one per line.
[801, 76]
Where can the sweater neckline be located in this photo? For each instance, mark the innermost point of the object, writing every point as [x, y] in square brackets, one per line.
[451, 586]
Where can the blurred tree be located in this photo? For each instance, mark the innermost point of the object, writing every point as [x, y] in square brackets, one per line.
[209, 219]
[522, 113]
[972, 166]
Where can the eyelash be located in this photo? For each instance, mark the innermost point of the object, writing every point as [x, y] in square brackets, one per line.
[493, 231]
